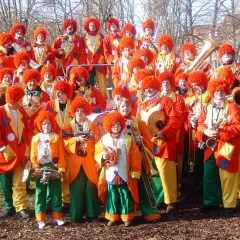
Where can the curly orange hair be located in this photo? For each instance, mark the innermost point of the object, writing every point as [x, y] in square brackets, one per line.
[135, 62]
[18, 57]
[70, 22]
[151, 81]
[112, 118]
[45, 115]
[48, 68]
[89, 20]
[166, 39]
[80, 102]
[6, 37]
[146, 52]
[129, 27]
[4, 71]
[141, 74]
[148, 23]
[110, 21]
[198, 77]
[16, 26]
[226, 73]
[121, 90]
[217, 84]
[183, 76]
[78, 71]
[14, 94]
[31, 74]
[190, 47]
[40, 31]
[226, 48]
[166, 75]
[64, 87]
[126, 42]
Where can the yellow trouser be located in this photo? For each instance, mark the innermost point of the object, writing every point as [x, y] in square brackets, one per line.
[19, 189]
[238, 190]
[167, 171]
[229, 184]
[101, 80]
[65, 183]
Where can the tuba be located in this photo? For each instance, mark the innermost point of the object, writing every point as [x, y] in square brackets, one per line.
[198, 64]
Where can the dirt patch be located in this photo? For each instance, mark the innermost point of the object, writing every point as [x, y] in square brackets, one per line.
[186, 223]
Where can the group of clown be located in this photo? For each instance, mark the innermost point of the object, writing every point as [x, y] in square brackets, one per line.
[47, 94]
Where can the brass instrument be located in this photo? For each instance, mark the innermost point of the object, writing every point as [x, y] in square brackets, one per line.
[198, 64]
[195, 116]
[156, 121]
[212, 141]
[236, 96]
[136, 134]
[45, 174]
[84, 134]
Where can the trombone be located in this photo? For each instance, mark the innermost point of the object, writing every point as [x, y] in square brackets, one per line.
[192, 157]
[145, 179]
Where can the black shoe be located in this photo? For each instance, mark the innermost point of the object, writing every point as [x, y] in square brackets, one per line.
[182, 197]
[9, 212]
[94, 219]
[155, 221]
[162, 206]
[228, 212]
[23, 214]
[48, 208]
[128, 223]
[207, 208]
[65, 205]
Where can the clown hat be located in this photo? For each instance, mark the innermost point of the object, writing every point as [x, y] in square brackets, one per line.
[150, 81]
[80, 102]
[112, 118]
[89, 20]
[14, 94]
[31, 74]
[122, 91]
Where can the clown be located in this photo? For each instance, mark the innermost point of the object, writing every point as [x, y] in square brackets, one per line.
[79, 82]
[14, 149]
[47, 152]
[68, 48]
[6, 50]
[164, 139]
[167, 59]
[35, 98]
[48, 79]
[21, 60]
[120, 73]
[129, 30]
[119, 159]
[147, 41]
[219, 120]
[93, 44]
[19, 31]
[83, 176]
[42, 51]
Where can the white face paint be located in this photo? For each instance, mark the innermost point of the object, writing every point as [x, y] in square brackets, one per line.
[92, 27]
[32, 84]
[165, 49]
[166, 86]
[150, 92]
[116, 128]
[7, 79]
[148, 31]
[227, 57]
[46, 126]
[219, 95]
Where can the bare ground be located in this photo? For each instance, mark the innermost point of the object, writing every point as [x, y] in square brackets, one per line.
[186, 223]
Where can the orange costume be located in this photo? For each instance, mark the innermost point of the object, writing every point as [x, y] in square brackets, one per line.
[111, 42]
[120, 73]
[5, 60]
[42, 52]
[93, 44]
[21, 45]
[130, 170]
[170, 61]
[72, 47]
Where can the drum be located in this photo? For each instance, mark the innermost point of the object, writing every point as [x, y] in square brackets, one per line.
[97, 119]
